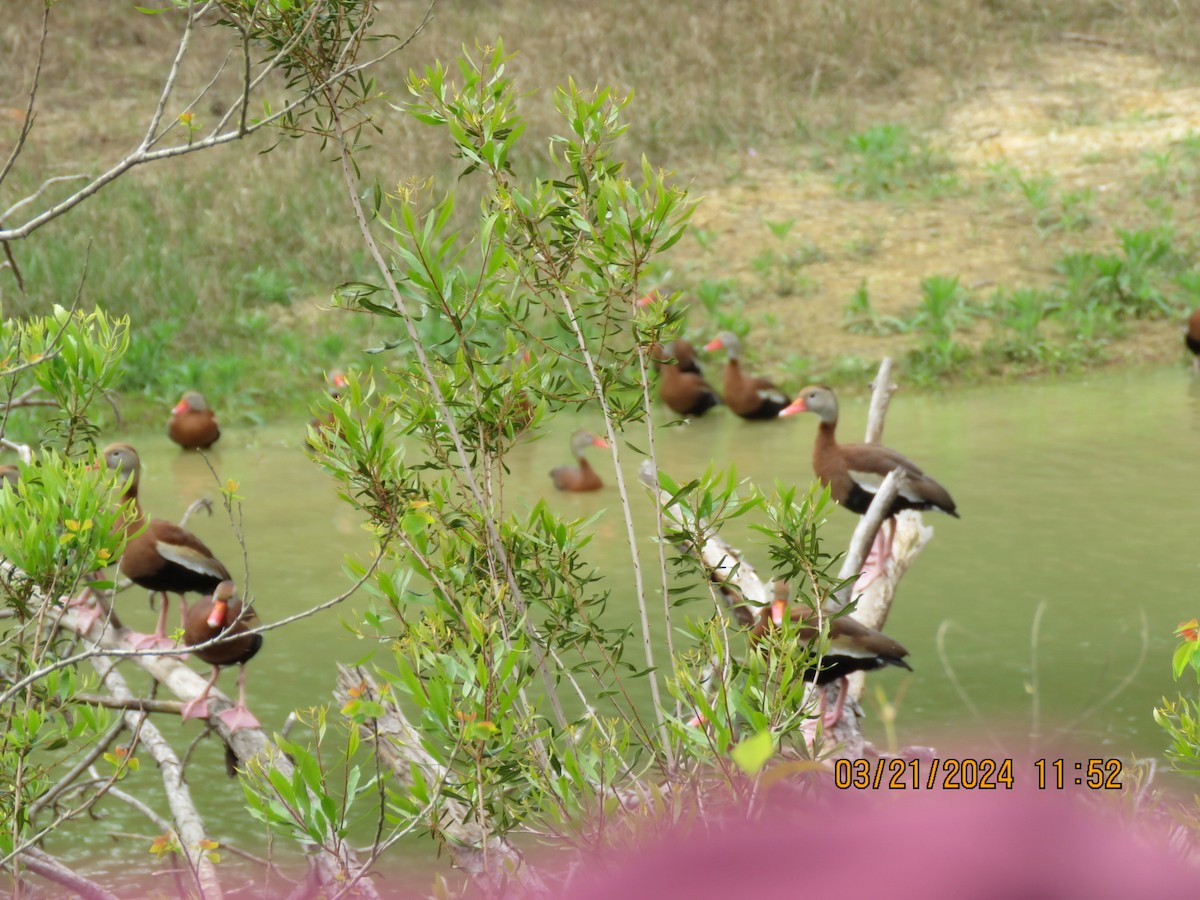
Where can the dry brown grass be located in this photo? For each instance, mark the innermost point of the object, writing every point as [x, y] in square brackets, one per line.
[712, 79]
[708, 75]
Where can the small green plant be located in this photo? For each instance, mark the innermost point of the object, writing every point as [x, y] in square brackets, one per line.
[781, 229]
[1130, 283]
[722, 306]
[865, 244]
[936, 358]
[705, 237]
[860, 317]
[888, 160]
[944, 307]
[1053, 210]
[267, 285]
[1176, 171]
[1180, 718]
[781, 271]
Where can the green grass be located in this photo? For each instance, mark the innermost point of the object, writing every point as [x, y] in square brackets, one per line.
[1052, 210]
[1067, 326]
[223, 294]
[892, 161]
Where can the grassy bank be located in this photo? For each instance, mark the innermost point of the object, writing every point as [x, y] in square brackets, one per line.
[822, 136]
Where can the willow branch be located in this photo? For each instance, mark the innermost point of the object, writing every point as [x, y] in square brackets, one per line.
[64, 784]
[639, 586]
[185, 41]
[487, 858]
[447, 417]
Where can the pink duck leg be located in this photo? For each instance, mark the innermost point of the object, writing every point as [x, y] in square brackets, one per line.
[879, 555]
[88, 610]
[158, 640]
[238, 716]
[198, 708]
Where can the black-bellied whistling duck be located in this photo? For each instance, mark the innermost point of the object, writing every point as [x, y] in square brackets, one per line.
[9, 475]
[163, 557]
[685, 356]
[854, 472]
[336, 383]
[1192, 338]
[853, 647]
[222, 614]
[751, 397]
[683, 352]
[193, 425]
[581, 477]
[686, 392]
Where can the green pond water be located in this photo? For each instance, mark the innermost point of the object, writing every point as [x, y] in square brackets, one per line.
[1080, 495]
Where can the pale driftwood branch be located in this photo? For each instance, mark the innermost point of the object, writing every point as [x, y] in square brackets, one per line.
[43, 864]
[875, 599]
[23, 450]
[910, 538]
[864, 534]
[491, 862]
[188, 824]
[881, 395]
[332, 867]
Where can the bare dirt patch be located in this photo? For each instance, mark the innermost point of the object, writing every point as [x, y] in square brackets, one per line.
[1082, 119]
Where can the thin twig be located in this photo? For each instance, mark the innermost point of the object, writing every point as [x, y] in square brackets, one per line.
[27, 122]
[138, 704]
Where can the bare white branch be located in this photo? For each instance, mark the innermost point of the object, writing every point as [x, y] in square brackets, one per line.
[188, 824]
[43, 864]
[881, 394]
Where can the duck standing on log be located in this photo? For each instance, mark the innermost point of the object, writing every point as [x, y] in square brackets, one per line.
[853, 647]
[682, 389]
[222, 614]
[751, 397]
[854, 472]
[581, 477]
[1192, 339]
[193, 425]
[163, 557]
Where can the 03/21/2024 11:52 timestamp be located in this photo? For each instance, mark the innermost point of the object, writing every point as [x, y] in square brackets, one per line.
[969, 773]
